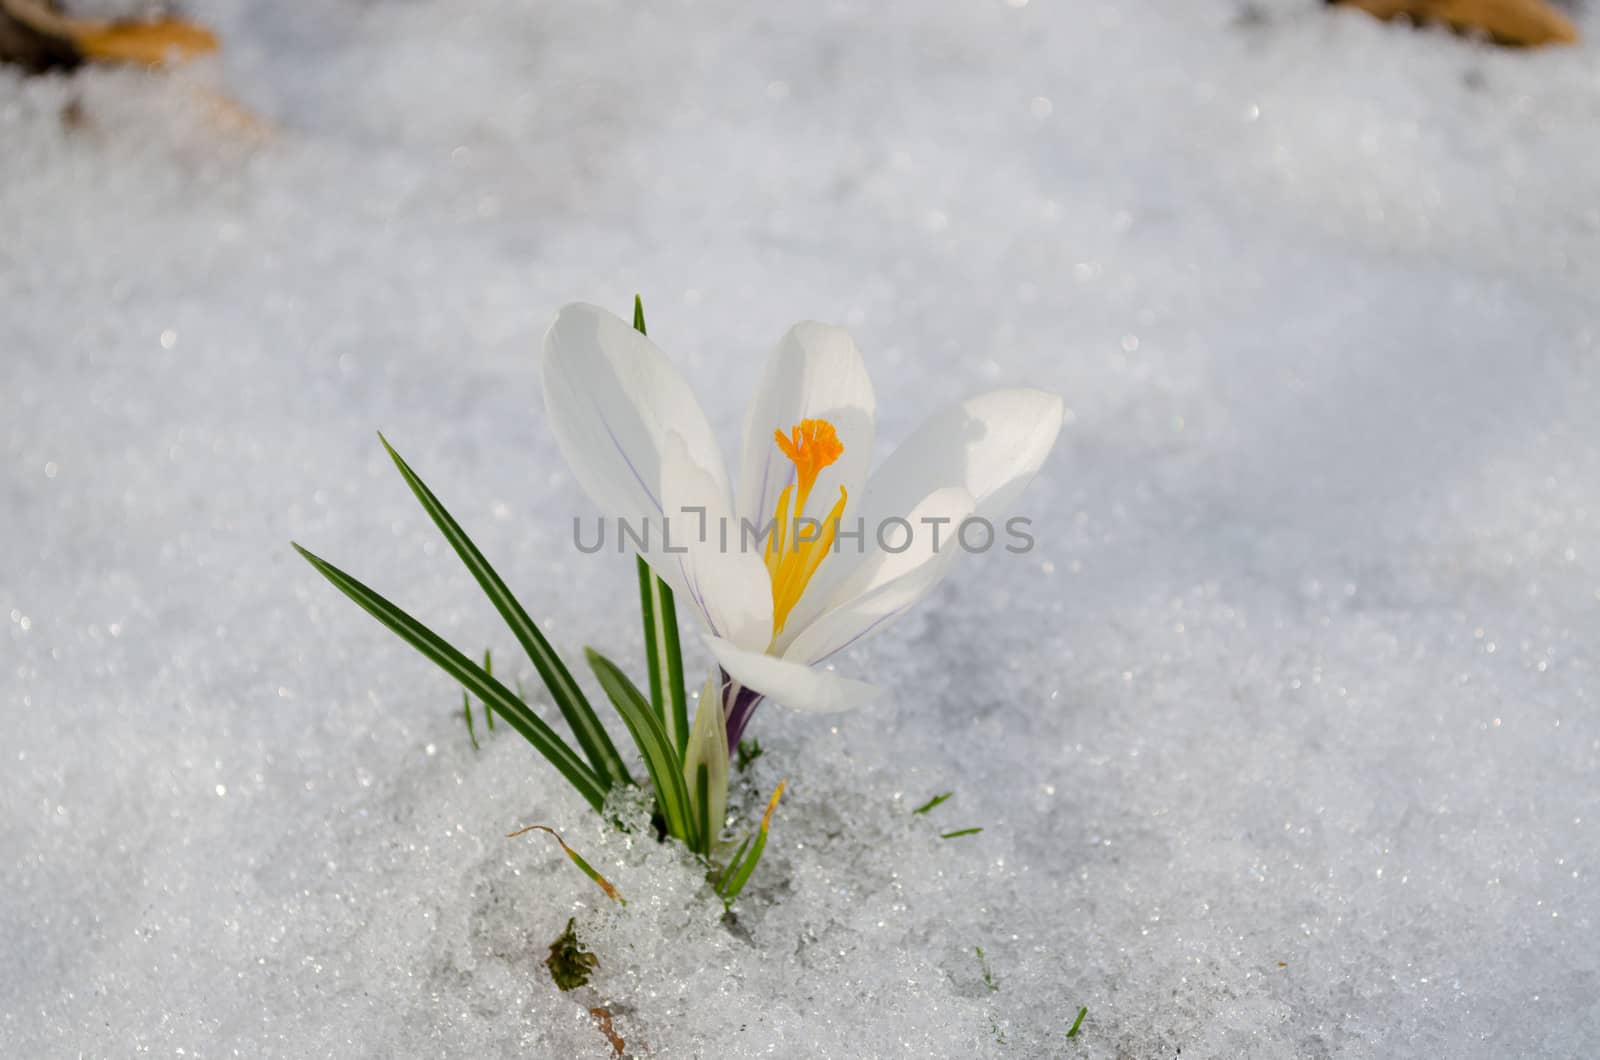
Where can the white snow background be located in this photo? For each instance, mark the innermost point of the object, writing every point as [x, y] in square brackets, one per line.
[1284, 739]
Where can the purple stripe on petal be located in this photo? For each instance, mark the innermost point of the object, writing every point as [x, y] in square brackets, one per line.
[874, 624]
[648, 492]
[691, 582]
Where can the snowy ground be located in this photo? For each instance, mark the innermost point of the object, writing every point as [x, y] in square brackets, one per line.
[1284, 741]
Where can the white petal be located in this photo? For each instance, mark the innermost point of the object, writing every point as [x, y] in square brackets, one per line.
[816, 372]
[699, 552]
[887, 584]
[990, 445]
[612, 397]
[795, 686]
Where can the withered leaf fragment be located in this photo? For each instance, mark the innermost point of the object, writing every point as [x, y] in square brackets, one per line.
[602, 1020]
[1516, 23]
[569, 963]
[39, 36]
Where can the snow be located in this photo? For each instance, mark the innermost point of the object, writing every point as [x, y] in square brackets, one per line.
[1283, 739]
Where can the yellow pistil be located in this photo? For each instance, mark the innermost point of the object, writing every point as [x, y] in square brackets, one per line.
[811, 446]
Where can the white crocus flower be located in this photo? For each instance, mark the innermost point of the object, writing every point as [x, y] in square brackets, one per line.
[775, 607]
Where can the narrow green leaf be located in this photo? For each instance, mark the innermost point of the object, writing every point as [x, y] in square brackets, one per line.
[960, 832]
[569, 699]
[664, 657]
[677, 695]
[488, 668]
[661, 648]
[738, 875]
[733, 865]
[931, 803]
[659, 757]
[471, 676]
[740, 870]
[1082, 1012]
[466, 709]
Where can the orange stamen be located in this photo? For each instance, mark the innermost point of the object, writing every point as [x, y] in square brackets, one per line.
[811, 445]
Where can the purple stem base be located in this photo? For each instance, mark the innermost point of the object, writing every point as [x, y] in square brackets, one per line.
[738, 703]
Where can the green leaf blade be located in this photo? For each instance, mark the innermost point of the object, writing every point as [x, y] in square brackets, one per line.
[569, 698]
[471, 676]
[664, 657]
[660, 759]
[739, 870]
[733, 867]
[740, 875]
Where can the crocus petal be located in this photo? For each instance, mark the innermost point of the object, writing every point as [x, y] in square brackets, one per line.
[888, 583]
[697, 551]
[990, 445]
[612, 397]
[816, 372]
[796, 686]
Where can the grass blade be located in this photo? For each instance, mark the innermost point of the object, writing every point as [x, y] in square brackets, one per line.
[740, 870]
[472, 677]
[466, 708]
[577, 859]
[931, 803]
[659, 756]
[569, 699]
[488, 668]
[733, 864]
